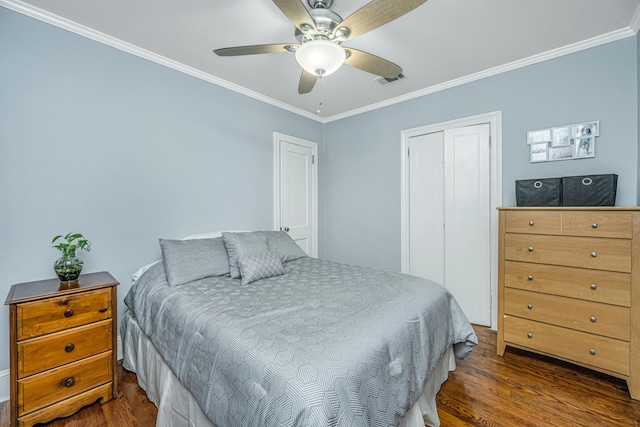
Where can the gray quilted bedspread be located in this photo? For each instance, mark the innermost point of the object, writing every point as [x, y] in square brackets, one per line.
[326, 344]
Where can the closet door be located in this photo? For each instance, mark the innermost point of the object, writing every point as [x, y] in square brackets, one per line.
[450, 240]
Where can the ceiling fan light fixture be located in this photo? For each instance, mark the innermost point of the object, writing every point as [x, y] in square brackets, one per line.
[320, 57]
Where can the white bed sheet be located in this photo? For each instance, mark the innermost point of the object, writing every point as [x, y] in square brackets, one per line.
[178, 408]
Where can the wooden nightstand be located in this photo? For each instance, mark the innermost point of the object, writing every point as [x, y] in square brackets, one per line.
[62, 346]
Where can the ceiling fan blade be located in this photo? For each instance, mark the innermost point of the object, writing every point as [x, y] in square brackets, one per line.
[296, 12]
[255, 49]
[307, 82]
[377, 13]
[372, 64]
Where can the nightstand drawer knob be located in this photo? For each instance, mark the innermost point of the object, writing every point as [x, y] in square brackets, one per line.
[69, 348]
[529, 335]
[530, 249]
[68, 313]
[594, 254]
[593, 319]
[531, 223]
[594, 225]
[594, 286]
[529, 306]
[530, 278]
[592, 352]
[68, 382]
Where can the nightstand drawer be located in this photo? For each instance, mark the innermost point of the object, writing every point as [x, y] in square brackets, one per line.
[598, 224]
[593, 285]
[51, 351]
[592, 317]
[581, 347]
[60, 313]
[38, 391]
[583, 252]
[533, 222]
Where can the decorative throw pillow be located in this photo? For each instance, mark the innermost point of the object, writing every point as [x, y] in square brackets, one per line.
[242, 244]
[259, 266]
[189, 260]
[281, 243]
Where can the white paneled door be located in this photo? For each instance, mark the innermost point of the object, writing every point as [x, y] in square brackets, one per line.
[296, 190]
[450, 215]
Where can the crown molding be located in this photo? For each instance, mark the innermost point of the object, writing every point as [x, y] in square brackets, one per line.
[635, 21]
[44, 16]
[81, 30]
[535, 59]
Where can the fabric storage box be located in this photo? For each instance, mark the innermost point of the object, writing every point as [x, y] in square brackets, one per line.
[539, 192]
[589, 190]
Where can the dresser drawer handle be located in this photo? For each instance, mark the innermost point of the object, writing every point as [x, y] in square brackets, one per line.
[68, 382]
[594, 225]
[592, 352]
[103, 310]
[594, 254]
[531, 223]
[593, 319]
[68, 312]
[530, 278]
[69, 348]
[529, 306]
[65, 302]
[529, 335]
[594, 286]
[530, 249]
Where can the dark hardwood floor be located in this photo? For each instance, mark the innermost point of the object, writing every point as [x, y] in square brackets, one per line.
[520, 389]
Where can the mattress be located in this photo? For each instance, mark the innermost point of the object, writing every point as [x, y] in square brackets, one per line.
[178, 408]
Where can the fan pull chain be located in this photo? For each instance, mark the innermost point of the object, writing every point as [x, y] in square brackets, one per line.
[319, 95]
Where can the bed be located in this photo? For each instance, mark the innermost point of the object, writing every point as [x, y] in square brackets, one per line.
[265, 336]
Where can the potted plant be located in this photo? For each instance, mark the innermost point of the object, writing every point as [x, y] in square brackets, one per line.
[69, 265]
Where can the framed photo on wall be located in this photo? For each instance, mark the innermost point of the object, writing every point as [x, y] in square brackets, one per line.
[560, 136]
[539, 152]
[535, 136]
[585, 147]
[585, 129]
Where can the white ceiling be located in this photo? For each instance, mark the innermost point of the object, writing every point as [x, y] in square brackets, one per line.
[440, 44]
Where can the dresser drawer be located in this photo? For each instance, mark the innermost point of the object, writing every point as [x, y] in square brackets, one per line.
[598, 224]
[533, 222]
[38, 391]
[60, 313]
[39, 354]
[592, 285]
[583, 252]
[587, 316]
[592, 350]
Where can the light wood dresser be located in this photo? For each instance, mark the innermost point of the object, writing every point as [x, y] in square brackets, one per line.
[62, 346]
[569, 286]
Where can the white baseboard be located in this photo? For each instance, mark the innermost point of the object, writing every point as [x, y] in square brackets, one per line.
[4, 376]
[4, 385]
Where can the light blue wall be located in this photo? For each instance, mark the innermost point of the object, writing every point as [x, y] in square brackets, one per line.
[361, 155]
[101, 142]
[148, 152]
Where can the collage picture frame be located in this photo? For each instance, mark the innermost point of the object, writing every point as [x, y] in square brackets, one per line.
[569, 142]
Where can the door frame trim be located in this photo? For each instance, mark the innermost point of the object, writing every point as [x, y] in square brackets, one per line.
[494, 119]
[277, 137]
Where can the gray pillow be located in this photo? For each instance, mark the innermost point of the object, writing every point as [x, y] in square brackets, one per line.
[189, 260]
[259, 266]
[242, 244]
[281, 243]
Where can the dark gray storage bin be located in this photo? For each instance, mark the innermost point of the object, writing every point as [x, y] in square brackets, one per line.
[539, 192]
[589, 190]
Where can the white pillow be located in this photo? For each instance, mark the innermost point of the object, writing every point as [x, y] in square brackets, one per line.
[135, 276]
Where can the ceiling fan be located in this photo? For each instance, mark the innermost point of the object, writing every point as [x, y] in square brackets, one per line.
[321, 32]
